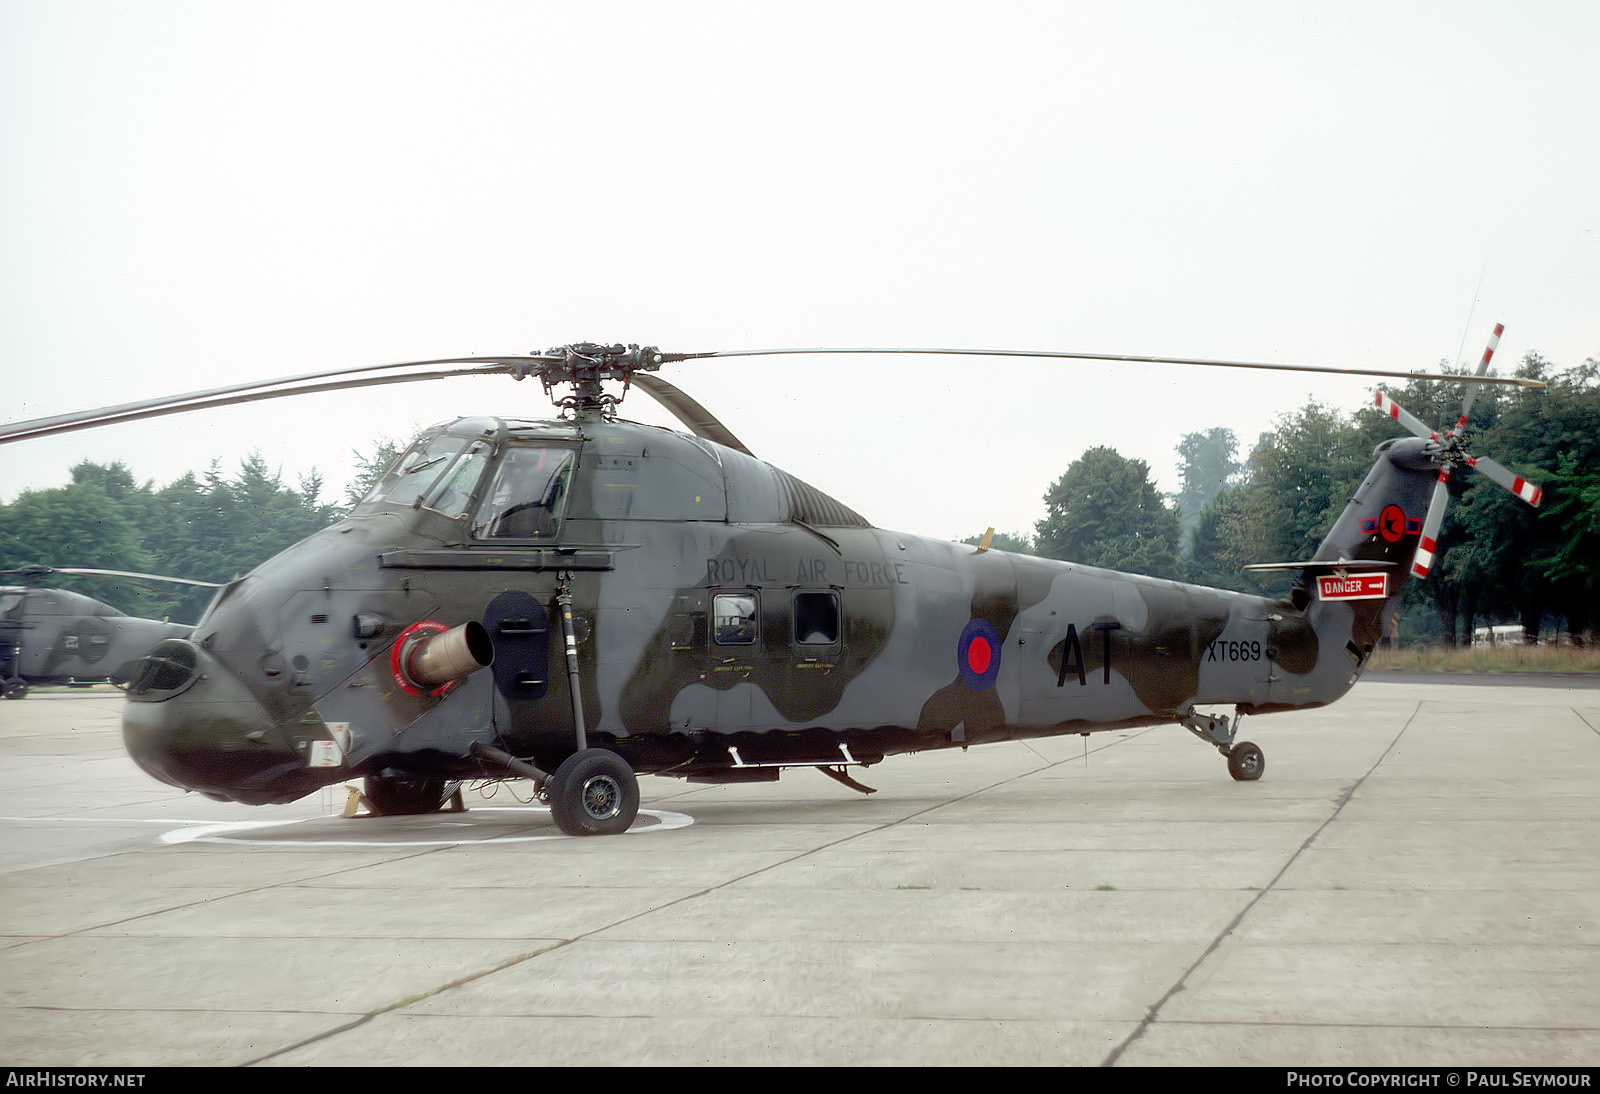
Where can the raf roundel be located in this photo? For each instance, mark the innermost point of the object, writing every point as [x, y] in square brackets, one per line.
[1392, 523]
[978, 655]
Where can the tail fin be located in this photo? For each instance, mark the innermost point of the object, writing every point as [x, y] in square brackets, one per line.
[1381, 533]
[1372, 549]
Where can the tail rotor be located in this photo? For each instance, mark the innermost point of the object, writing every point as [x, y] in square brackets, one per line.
[1449, 451]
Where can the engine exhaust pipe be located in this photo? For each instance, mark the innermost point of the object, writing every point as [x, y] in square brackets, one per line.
[431, 659]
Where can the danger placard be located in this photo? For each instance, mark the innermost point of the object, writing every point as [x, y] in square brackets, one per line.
[1353, 587]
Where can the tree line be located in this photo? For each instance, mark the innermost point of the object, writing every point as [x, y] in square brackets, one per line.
[211, 527]
[1500, 558]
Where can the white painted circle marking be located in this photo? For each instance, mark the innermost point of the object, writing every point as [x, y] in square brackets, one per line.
[221, 833]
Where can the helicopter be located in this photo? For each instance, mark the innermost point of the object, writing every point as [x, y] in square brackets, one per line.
[581, 600]
[56, 636]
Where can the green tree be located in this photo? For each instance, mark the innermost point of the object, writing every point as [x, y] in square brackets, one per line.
[1218, 549]
[1210, 465]
[215, 528]
[1301, 475]
[1105, 511]
[1575, 507]
[1552, 437]
[78, 525]
[370, 467]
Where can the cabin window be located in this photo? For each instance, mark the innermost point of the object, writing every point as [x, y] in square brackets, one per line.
[733, 619]
[528, 495]
[816, 619]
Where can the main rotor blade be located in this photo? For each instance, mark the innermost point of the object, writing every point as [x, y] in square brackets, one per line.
[35, 575]
[129, 574]
[256, 391]
[700, 421]
[1504, 476]
[1426, 376]
[1428, 545]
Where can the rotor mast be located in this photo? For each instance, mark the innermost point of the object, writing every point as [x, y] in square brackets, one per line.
[586, 366]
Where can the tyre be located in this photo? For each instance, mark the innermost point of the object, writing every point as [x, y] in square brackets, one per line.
[594, 793]
[1245, 762]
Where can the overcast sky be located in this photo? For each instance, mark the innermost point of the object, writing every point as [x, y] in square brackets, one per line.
[197, 194]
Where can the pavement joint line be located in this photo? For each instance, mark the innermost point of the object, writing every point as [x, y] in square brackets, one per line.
[1240, 964]
[1182, 982]
[1585, 721]
[209, 900]
[401, 1004]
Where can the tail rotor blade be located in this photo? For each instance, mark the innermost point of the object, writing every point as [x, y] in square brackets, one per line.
[1504, 476]
[1400, 414]
[1428, 545]
[1483, 367]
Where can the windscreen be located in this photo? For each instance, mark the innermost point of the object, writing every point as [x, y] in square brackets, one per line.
[442, 471]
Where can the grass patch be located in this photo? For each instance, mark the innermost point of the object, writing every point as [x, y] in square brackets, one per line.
[1497, 658]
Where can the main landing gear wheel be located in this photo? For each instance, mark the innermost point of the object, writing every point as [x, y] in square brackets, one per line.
[15, 689]
[594, 793]
[1245, 762]
[397, 796]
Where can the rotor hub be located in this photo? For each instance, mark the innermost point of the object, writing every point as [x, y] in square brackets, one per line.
[585, 366]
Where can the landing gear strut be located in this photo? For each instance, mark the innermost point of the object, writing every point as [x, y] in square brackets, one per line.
[1245, 760]
[593, 793]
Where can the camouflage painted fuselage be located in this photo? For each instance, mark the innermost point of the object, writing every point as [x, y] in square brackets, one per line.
[728, 617]
[55, 636]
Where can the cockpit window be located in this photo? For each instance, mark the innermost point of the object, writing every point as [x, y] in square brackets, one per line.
[440, 472]
[452, 492]
[528, 495]
[418, 469]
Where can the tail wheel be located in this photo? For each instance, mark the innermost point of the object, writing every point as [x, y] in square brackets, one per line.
[594, 793]
[1245, 762]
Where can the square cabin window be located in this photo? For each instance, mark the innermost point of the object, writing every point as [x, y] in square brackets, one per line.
[733, 619]
[816, 619]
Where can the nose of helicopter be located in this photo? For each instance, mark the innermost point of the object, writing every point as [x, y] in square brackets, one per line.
[191, 723]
